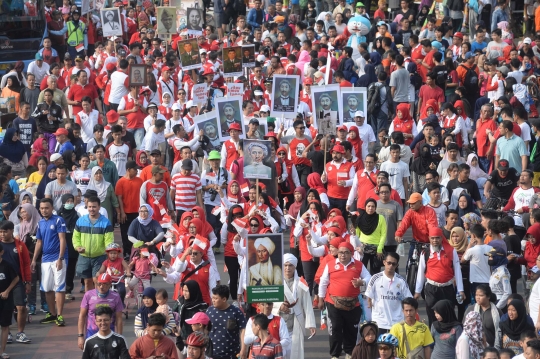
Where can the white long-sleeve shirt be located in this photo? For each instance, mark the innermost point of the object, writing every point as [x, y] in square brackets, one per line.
[421, 276]
[174, 273]
[284, 336]
[325, 277]
[499, 282]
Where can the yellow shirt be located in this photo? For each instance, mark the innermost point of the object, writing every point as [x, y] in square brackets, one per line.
[417, 335]
[35, 177]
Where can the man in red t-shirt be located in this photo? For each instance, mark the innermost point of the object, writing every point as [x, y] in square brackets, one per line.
[82, 89]
[484, 126]
[429, 91]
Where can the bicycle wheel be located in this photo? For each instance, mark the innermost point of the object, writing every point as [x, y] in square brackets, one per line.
[411, 276]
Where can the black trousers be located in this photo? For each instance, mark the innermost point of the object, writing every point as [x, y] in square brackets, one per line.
[73, 256]
[303, 171]
[310, 268]
[126, 243]
[343, 329]
[375, 263]
[300, 268]
[233, 268]
[340, 204]
[433, 294]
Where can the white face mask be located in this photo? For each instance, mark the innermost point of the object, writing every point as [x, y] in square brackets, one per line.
[423, 52]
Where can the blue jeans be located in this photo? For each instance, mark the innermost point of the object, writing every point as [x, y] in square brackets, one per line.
[379, 122]
[138, 133]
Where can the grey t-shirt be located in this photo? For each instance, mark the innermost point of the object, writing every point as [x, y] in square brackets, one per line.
[392, 213]
[56, 191]
[400, 79]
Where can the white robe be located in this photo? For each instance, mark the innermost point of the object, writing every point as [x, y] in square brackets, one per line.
[304, 316]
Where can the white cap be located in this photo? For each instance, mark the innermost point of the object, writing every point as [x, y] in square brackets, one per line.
[527, 40]
[176, 106]
[190, 104]
[359, 114]
[261, 58]
[55, 156]
[265, 108]
[114, 38]
[202, 51]
[258, 93]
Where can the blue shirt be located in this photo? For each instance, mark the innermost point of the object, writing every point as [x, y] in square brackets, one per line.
[478, 46]
[512, 149]
[225, 333]
[47, 233]
[66, 146]
[14, 186]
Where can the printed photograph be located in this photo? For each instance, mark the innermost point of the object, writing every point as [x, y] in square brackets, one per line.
[110, 19]
[256, 157]
[265, 259]
[285, 95]
[189, 54]
[166, 20]
[137, 75]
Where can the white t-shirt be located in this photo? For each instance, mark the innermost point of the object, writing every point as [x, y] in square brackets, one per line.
[119, 155]
[480, 271]
[366, 135]
[152, 140]
[534, 301]
[525, 134]
[440, 212]
[397, 172]
[386, 295]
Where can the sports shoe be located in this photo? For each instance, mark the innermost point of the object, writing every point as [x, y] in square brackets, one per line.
[49, 318]
[10, 338]
[22, 338]
[32, 309]
[60, 321]
[69, 296]
[45, 308]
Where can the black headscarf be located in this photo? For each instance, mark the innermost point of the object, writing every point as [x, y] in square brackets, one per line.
[367, 223]
[368, 77]
[421, 164]
[70, 216]
[40, 193]
[68, 160]
[145, 311]
[514, 328]
[445, 308]
[195, 294]
[364, 349]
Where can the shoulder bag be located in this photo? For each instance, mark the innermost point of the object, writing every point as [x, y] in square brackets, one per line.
[416, 353]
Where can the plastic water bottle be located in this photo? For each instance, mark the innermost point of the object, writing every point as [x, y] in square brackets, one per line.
[459, 298]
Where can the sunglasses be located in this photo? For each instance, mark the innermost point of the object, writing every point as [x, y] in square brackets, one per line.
[254, 224]
[281, 154]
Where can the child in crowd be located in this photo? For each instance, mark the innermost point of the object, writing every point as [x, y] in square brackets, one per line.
[161, 298]
[97, 140]
[115, 266]
[142, 266]
[475, 254]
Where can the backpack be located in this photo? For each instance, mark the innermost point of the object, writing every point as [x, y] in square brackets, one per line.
[416, 81]
[374, 98]
[471, 77]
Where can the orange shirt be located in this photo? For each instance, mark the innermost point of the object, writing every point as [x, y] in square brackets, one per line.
[129, 189]
[462, 72]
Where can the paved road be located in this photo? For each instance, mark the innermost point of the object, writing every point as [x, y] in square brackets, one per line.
[52, 342]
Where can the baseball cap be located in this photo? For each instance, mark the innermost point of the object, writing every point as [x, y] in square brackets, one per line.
[343, 128]
[122, 52]
[132, 164]
[459, 34]
[338, 149]
[112, 116]
[110, 66]
[113, 38]
[381, 23]
[469, 54]
[152, 105]
[79, 59]
[155, 153]
[190, 104]
[527, 40]
[235, 126]
[90, 193]
[504, 70]
[176, 107]
[264, 108]
[104, 278]
[415, 197]
[359, 114]
[187, 164]
[279, 19]
[202, 51]
[145, 252]
[75, 12]
[39, 56]
[208, 71]
[55, 156]
[254, 121]
[199, 318]
[268, 80]
[157, 169]
[144, 89]
[261, 58]
[165, 68]
[360, 4]
[308, 81]
[61, 131]
[214, 155]
[504, 165]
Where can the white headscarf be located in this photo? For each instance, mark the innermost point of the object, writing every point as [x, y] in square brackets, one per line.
[100, 187]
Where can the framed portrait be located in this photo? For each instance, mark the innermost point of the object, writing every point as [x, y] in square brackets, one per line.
[229, 111]
[261, 130]
[189, 54]
[285, 95]
[110, 20]
[208, 122]
[353, 99]
[195, 20]
[137, 75]
[257, 159]
[248, 56]
[264, 262]
[325, 100]
[166, 20]
[232, 61]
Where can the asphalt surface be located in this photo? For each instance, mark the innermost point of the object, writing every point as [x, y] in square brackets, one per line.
[52, 342]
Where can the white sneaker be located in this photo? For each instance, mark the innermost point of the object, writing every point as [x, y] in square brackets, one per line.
[22, 338]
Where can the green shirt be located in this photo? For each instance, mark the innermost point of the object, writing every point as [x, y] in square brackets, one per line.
[378, 237]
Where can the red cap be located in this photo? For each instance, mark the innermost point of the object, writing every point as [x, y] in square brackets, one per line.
[104, 278]
[336, 240]
[338, 149]
[143, 90]
[199, 318]
[436, 232]
[335, 230]
[343, 128]
[346, 245]
[112, 116]
[61, 131]
[165, 68]
[110, 66]
[308, 81]
[208, 71]
[214, 46]
[459, 34]
[235, 126]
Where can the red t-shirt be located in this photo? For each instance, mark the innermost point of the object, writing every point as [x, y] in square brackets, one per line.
[77, 92]
[430, 93]
[114, 268]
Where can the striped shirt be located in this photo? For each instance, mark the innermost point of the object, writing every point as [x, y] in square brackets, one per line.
[271, 349]
[186, 188]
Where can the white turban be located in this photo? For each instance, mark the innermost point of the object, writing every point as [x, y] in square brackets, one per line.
[290, 258]
[266, 243]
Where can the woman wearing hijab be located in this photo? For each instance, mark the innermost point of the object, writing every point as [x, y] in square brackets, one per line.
[148, 308]
[532, 247]
[190, 303]
[290, 220]
[367, 346]
[40, 148]
[68, 157]
[50, 175]
[146, 230]
[356, 142]
[105, 192]
[472, 342]
[368, 77]
[207, 231]
[458, 240]
[315, 183]
[70, 216]
[465, 205]
[518, 322]
[477, 174]
[229, 235]
[14, 153]
[24, 197]
[141, 159]
[445, 330]
[420, 166]
[404, 123]
[499, 282]
[232, 197]
[17, 73]
[371, 229]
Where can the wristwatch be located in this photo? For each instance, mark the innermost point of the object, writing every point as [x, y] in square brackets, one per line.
[80, 335]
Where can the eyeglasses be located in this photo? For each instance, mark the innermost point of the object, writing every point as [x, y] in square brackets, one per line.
[143, 211]
[254, 224]
[394, 264]
[343, 253]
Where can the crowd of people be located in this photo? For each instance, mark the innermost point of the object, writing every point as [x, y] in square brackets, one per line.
[446, 144]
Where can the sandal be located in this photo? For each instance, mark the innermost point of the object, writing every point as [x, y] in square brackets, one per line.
[4, 356]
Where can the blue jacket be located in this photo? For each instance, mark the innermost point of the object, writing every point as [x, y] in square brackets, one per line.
[252, 18]
[498, 16]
